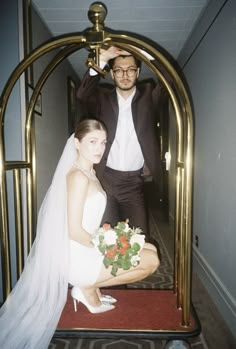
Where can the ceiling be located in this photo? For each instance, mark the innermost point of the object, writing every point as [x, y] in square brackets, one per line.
[167, 22]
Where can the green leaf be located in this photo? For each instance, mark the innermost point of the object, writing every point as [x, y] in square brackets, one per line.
[135, 247]
[119, 262]
[107, 262]
[114, 270]
[126, 265]
[102, 249]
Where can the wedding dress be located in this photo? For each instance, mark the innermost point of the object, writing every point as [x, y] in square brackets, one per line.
[29, 317]
[85, 262]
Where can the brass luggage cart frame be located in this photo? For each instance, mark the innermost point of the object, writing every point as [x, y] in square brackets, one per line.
[93, 39]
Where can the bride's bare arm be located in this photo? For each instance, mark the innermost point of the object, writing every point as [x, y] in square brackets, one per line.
[77, 189]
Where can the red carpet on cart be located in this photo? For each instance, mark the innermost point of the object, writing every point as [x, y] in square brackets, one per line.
[139, 310]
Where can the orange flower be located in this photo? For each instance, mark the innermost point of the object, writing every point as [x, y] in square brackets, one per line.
[125, 244]
[122, 251]
[111, 253]
[123, 238]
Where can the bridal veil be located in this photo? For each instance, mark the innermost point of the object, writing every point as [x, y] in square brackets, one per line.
[31, 312]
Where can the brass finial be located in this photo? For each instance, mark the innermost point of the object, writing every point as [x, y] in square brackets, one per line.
[97, 14]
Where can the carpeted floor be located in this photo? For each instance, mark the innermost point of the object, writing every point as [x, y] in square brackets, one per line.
[107, 344]
[215, 334]
[162, 279]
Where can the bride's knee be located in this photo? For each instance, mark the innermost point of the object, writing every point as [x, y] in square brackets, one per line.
[154, 261]
[150, 246]
[151, 260]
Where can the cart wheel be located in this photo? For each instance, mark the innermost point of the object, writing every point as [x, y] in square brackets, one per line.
[177, 344]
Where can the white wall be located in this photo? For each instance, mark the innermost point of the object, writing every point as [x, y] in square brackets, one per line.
[210, 70]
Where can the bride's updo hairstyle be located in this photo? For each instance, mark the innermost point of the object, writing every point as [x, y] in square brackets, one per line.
[88, 125]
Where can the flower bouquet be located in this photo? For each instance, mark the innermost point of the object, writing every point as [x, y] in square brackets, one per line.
[120, 245]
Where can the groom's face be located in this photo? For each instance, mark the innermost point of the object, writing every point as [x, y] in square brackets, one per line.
[125, 72]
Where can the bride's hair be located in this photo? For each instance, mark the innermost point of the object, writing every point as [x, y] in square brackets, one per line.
[88, 125]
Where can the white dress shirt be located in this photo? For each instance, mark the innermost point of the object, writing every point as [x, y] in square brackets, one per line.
[125, 153]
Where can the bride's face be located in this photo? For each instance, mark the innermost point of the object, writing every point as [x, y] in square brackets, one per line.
[92, 146]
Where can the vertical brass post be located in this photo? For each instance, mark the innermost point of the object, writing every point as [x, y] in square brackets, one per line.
[188, 216]
[18, 221]
[5, 253]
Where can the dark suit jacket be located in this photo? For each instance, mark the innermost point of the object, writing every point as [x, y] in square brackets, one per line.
[101, 103]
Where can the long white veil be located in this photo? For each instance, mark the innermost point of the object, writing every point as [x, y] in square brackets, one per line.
[30, 314]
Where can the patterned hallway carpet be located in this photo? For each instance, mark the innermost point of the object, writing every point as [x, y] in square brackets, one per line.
[161, 279]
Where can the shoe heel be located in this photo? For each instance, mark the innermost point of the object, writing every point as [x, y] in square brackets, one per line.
[75, 304]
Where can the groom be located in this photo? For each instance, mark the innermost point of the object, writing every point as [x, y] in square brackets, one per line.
[129, 111]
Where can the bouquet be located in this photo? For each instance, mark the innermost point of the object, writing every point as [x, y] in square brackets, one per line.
[120, 245]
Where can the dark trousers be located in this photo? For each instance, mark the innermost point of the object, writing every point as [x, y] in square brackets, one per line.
[125, 198]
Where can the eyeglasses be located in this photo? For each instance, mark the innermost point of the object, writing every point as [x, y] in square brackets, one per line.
[130, 72]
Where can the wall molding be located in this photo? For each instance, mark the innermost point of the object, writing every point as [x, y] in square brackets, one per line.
[222, 298]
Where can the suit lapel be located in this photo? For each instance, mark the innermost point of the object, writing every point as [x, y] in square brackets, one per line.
[135, 112]
[114, 103]
[112, 115]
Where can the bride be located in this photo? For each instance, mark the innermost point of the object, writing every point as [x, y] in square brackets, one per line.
[63, 251]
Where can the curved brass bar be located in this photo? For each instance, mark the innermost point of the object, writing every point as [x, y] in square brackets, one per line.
[25, 63]
[44, 76]
[30, 154]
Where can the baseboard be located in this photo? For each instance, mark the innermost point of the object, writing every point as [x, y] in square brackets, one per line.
[224, 301]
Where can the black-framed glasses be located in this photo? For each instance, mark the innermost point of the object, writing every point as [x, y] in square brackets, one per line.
[130, 72]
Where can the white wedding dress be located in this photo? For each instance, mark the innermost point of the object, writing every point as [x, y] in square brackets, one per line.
[85, 262]
[29, 316]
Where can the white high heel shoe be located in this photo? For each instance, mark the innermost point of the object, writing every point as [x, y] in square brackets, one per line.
[107, 298]
[78, 296]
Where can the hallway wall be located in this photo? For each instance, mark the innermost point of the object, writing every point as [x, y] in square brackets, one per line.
[51, 127]
[10, 57]
[210, 69]
[11, 48]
